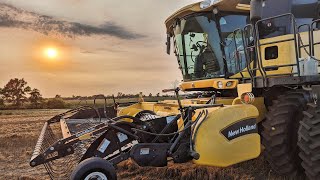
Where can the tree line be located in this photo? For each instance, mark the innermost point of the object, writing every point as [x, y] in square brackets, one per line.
[18, 94]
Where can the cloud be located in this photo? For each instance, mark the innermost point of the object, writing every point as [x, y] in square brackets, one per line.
[17, 18]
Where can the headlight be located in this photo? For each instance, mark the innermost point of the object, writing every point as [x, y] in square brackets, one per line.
[207, 3]
[220, 85]
[204, 4]
[229, 83]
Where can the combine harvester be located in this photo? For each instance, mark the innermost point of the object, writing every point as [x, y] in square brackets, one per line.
[258, 58]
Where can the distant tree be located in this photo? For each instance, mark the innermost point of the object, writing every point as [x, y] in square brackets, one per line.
[1, 102]
[1, 99]
[158, 94]
[150, 95]
[120, 94]
[35, 98]
[15, 91]
[58, 96]
[56, 103]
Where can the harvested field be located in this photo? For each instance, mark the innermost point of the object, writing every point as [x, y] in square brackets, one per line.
[19, 130]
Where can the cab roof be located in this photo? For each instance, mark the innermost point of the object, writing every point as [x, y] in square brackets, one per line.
[221, 5]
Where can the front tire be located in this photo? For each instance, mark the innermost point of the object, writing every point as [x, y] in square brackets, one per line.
[94, 168]
[309, 141]
[280, 132]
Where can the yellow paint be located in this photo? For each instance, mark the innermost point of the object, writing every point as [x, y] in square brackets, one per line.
[317, 47]
[209, 83]
[170, 107]
[286, 54]
[245, 73]
[85, 136]
[237, 100]
[214, 148]
[245, 7]
[305, 40]
[244, 88]
[259, 104]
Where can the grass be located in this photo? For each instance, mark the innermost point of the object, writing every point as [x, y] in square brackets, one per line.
[19, 132]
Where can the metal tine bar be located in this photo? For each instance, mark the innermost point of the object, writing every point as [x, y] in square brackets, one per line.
[48, 171]
[50, 134]
[48, 140]
[67, 165]
[61, 166]
[53, 167]
[38, 146]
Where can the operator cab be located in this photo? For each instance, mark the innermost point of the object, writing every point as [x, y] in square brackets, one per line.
[219, 42]
[204, 43]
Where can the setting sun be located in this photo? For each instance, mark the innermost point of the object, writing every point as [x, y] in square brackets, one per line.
[51, 53]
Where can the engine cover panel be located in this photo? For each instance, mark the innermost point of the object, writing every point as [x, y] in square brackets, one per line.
[228, 135]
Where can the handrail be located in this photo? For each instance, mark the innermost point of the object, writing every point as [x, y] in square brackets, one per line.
[312, 35]
[105, 104]
[246, 40]
[258, 61]
[309, 36]
[238, 62]
[259, 44]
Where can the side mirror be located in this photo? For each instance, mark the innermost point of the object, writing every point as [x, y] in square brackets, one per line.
[256, 10]
[168, 43]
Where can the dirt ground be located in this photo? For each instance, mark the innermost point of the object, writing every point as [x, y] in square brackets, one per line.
[19, 131]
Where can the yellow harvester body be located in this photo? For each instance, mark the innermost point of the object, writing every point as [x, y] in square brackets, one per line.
[221, 138]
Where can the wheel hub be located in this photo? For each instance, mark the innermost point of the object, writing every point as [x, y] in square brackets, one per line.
[96, 176]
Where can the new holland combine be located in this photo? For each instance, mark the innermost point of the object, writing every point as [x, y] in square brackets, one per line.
[259, 62]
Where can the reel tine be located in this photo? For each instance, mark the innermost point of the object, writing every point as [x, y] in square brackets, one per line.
[39, 145]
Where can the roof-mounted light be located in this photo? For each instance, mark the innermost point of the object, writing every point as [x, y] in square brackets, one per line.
[207, 3]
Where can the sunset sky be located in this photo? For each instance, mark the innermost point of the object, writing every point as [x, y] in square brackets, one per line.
[87, 47]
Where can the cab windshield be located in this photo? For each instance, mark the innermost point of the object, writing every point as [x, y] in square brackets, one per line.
[206, 47]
